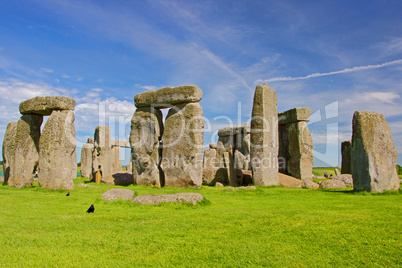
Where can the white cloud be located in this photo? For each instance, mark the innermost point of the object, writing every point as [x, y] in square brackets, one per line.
[347, 70]
[146, 87]
[392, 47]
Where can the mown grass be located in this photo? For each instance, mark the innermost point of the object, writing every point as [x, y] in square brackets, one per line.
[319, 171]
[271, 226]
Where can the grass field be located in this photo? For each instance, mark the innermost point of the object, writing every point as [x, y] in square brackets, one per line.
[272, 226]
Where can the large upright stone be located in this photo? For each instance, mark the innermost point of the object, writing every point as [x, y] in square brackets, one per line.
[295, 143]
[301, 159]
[346, 148]
[264, 137]
[26, 151]
[168, 96]
[86, 158]
[46, 105]
[101, 155]
[183, 145]
[57, 154]
[9, 149]
[145, 136]
[373, 154]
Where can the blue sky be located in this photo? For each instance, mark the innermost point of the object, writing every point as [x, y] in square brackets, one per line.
[333, 56]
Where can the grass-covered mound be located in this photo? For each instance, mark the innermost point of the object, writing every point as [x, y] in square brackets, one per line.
[266, 227]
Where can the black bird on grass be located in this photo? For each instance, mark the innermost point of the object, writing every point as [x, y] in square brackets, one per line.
[68, 194]
[91, 209]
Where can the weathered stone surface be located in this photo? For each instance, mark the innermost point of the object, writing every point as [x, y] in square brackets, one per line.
[145, 136]
[169, 198]
[330, 184]
[346, 151]
[218, 184]
[300, 163]
[373, 154]
[337, 173]
[240, 188]
[129, 168]
[90, 140]
[86, 159]
[9, 149]
[26, 151]
[297, 114]
[117, 194]
[46, 105]
[210, 158]
[289, 182]
[105, 159]
[264, 137]
[310, 184]
[120, 143]
[229, 165]
[296, 150]
[168, 96]
[213, 146]
[183, 146]
[57, 154]
[346, 178]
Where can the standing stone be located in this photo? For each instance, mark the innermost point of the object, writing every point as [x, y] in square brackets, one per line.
[145, 136]
[26, 151]
[102, 155]
[129, 168]
[86, 158]
[346, 148]
[57, 155]
[373, 154]
[295, 143]
[210, 159]
[264, 137]
[300, 150]
[9, 149]
[183, 145]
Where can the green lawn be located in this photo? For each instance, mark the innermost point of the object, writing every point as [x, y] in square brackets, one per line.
[272, 226]
[320, 171]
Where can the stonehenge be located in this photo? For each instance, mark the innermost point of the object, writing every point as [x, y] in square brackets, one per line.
[296, 144]
[373, 154]
[170, 154]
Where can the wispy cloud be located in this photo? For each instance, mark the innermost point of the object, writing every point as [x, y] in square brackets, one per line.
[347, 70]
[46, 70]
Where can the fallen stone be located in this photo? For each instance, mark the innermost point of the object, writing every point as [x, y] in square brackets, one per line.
[118, 194]
[240, 188]
[310, 184]
[289, 181]
[8, 151]
[182, 141]
[346, 178]
[145, 136]
[298, 114]
[46, 105]
[57, 154]
[218, 184]
[373, 154]
[26, 158]
[169, 198]
[168, 96]
[330, 184]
